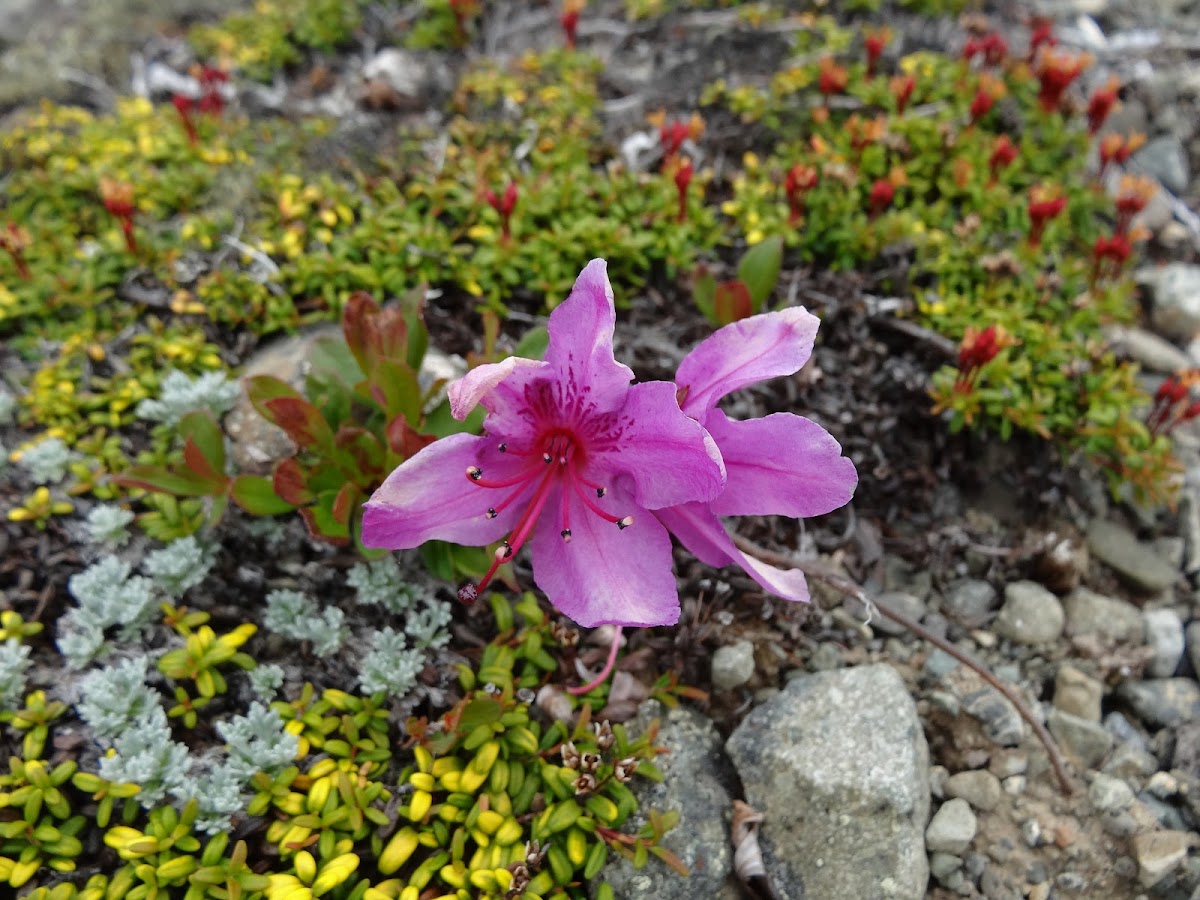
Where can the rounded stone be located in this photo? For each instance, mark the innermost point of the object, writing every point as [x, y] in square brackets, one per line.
[1030, 614]
[952, 828]
[978, 787]
[733, 665]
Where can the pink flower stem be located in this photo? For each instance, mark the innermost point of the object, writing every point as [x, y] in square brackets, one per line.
[605, 672]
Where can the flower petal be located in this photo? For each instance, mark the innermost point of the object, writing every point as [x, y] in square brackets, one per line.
[667, 455]
[581, 337]
[744, 352]
[430, 497]
[781, 464]
[606, 575]
[474, 387]
[704, 536]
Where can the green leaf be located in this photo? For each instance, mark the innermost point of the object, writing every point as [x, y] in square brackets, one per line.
[163, 481]
[263, 388]
[301, 420]
[704, 294]
[733, 302]
[440, 423]
[323, 523]
[759, 269]
[256, 495]
[533, 343]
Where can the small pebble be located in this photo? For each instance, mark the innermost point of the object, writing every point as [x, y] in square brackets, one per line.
[1109, 794]
[1031, 832]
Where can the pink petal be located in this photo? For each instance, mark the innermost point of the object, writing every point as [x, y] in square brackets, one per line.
[745, 352]
[430, 497]
[581, 338]
[605, 575]
[474, 387]
[702, 533]
[781, 464]
[667, 455]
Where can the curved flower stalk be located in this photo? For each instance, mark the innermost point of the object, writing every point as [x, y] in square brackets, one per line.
[781, 464]
[573, 458]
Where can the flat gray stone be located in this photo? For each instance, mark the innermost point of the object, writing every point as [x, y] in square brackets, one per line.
[695, 784]
[969, 602]
[1163, 702]
[952, 828]
[733, 665]
[1077, 693]
[1136, 563]
[1088, 742]
[1030, 614]
[838, 763]
[1091, 613]
[1164, 635]
[1151, 352]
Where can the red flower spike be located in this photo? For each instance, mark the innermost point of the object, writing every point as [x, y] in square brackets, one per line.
[1133, 194]
[1004, 153]
[1056, 71]
[883, 192]
[874, 42]
[978, 348]
[1043, 206]
[569, 20]
[1041, 34]
[117, 197]
[184, 106]
[504, 205]
[1118, 149]
[902, 87]
[683, 178]
[832, 78]
[981, 105]
[1102, 102]
[992, 47]
[1171, 402]
[799, 180]
[14, 239]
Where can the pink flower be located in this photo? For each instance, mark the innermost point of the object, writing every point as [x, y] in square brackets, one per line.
[572, 459]
[781, 464]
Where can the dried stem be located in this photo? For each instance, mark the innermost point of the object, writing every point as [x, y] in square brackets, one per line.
[605, 672]
[852, 590]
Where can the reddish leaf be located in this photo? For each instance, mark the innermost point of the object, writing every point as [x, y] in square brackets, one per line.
[406, 440]
[301, 420]
[366, 454]
[321, 523]
[356, 316]
[261, 389]
[732, 302]
[290, 484]
[202, 428]
[257, 496]
[199, 465]
[343, 504]
[391, 334]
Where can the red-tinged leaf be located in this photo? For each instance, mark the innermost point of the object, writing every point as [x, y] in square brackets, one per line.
[670, 859]
[290, 484]
[257, 496]
[202, 428]
[759, 269]
[400, 389]
[301, 420]
[390, 340]
[406, 440]
[261, 389]
[356, 316]
[366, 455]
[163, 481]
[732, 302]
[344, 503]
[321, 523]
[199, 465]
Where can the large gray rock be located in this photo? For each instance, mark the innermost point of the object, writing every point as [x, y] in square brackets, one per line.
[1091, 613]
[695, 783]
[1030, 614]
[838, 764]
[1151, 352]
[1175, 290]
[1137, 563]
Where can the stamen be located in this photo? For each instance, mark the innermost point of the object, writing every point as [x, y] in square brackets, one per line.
[566, 535]
[468, 594]
[491, 512]
[605, 672]
[503, 448]
[474, 473]
[601, 491]
[525, 476]
[606, 516]
[547, 458]
[625, 522]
